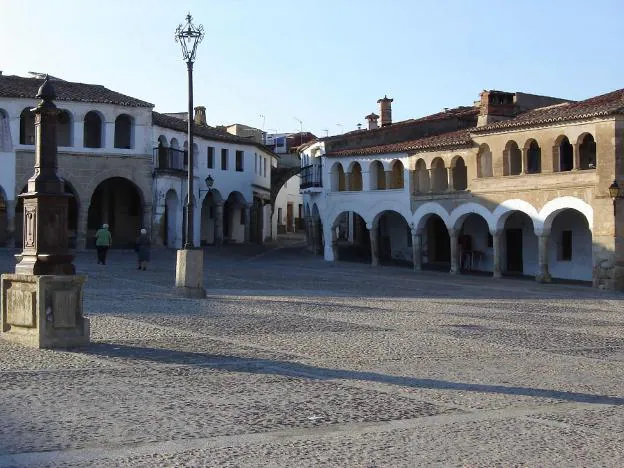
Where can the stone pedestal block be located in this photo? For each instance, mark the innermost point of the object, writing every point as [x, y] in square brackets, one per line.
[190, 273]
[43, 311]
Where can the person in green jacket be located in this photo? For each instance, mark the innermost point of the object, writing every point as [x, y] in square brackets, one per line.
[103, 241]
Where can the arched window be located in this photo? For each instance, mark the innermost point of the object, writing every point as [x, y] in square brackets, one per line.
[484, 161]
[27, 127]
[397, 175]
[64, 129]
[377, 176]
[534, 158]
[337, 178]
[512, 159]
[587, 152]
[356, 177]
[460, 174]
[123, 131]
[421, 177]
[439, 175]
[92, 130]
[566, 155]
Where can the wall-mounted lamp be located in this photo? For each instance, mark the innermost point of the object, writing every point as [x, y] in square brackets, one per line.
[615, 192]
[209, 183]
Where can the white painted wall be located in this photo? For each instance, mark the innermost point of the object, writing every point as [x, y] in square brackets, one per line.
[289, 193]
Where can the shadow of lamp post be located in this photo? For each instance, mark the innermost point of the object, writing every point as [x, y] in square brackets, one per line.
[190, 261]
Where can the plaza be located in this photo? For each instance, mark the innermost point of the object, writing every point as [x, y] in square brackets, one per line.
[295, 361]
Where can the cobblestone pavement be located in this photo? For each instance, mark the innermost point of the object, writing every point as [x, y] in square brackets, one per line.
[292, 361]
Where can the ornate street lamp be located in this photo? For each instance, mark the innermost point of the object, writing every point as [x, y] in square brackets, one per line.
[615, 193]
[190, 261]
[209, 183]
[189, 36]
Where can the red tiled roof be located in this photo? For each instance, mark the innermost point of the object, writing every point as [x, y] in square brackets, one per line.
[20, 87]
[603, 105]
[456, 139]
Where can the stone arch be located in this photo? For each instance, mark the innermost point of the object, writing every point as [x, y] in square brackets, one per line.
[460, 173]
[533, 156]
[93, 131]
[27, 127]
[459, 214]
[234, 217]
[355, 169]
[427, 209]
[377, 176]
[208, 216]
[550, 210]
[439, 175]
[421, 179]
[563, 154]
[484, 161]
[175, 144]
[512, 159]
[144, 191]
[337, 177]
[394, 236]
[587, 151]
[64, 128]
[506, 208]
[380, 208]
[124, 131]
[397, 180]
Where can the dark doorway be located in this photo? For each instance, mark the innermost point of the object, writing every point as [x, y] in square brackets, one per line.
[514, 250]
[441, 241]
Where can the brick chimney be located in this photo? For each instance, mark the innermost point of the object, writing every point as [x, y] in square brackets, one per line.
[372, 121]
[385, 109]
[200, 116]
[495, 106]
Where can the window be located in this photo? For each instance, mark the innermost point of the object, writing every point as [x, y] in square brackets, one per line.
[255, 163]
[210, 161]
[264, 163]
[92, 130]
[123, 132]
[566, 246]
[239, 161]
[224, 159]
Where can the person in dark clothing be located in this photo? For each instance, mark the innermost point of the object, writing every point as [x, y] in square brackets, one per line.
[142, 248]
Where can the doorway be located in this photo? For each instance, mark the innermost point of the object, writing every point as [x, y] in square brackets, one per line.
[514, 251]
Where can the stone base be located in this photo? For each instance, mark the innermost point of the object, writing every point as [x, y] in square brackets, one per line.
[43, 311]
[190, 273]
[543, 278]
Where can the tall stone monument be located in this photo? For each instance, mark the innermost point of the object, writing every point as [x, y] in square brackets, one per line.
[41, 304]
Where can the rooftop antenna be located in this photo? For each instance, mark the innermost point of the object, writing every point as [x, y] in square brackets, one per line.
[326, 132]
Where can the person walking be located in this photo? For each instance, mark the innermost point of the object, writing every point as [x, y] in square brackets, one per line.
[142, 248]
[103, 242]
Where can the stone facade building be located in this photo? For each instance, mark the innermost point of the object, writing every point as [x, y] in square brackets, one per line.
[124, 165]
[516, 184]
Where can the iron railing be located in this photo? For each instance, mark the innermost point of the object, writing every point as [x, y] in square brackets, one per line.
[311, 176]
[170, 158]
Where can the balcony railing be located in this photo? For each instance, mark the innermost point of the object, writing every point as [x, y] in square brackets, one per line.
[311, 176]
[170, 159]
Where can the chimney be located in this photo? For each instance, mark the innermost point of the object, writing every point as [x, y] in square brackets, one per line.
[385, 109]
[200, 116]
[372, 121]
[495, 106]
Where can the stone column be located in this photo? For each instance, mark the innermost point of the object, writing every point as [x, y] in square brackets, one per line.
[430, 171]
[374, 243]
[525, 160]
[496, 266]
[347, 182]
[454, 252]
[450, 187]
[543, 276]
[218, 222]
[576, 156]
[10, 213]
[389, 183]
[416, 255]
[78, 131]
[247, 209]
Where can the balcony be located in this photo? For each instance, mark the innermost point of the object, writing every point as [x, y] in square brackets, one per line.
[170, 160]
[311, 177]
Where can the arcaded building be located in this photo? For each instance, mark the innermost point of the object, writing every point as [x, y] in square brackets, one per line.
[516, 184]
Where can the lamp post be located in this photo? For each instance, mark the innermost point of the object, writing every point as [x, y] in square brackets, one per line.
[615, 192]
[189, 36]
[190, 261]
[209, 183]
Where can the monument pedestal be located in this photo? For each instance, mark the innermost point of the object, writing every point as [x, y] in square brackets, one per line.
[43, 311]
[190, 274]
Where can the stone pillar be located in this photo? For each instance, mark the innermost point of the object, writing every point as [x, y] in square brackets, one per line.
[78, 131]
[576, 156]
[416, 255]
[347, 182]
[430, 171]
[450, 187]
[218, 222]
[247, 209]
[525, 160]
[454, 252]
[543, 276]
[389, 183]
[496, 252]
[108, 138]
[10, 213]
[374, 243]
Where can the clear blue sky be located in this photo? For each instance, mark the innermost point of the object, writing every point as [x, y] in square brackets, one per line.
[325, 62]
